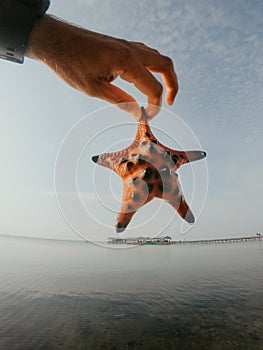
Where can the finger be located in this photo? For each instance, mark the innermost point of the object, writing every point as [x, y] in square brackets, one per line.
[156, 62]
[170, 81]
[148, 85]
[115, 95]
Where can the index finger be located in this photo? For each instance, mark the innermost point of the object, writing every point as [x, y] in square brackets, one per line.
[147, 84]
[166, 69]
[155, 62]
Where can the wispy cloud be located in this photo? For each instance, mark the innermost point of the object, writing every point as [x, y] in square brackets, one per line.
[217, 49]
[216, 45]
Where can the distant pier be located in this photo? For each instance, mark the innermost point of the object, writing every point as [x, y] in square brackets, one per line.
[220, 240]
[167, 240]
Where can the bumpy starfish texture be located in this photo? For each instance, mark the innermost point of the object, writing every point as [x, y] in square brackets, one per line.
[148, 170]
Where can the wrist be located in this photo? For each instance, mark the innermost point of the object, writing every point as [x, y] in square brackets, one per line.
[53, 40]
[47, 38]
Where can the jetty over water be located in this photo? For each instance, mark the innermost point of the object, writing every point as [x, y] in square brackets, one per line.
[221, 240]
[168, 240]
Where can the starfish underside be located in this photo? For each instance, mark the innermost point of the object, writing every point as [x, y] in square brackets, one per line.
[148, 170]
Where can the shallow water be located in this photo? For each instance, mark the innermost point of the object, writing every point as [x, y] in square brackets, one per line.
[72, 295]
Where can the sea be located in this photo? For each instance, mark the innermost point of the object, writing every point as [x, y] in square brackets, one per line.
[76, 295]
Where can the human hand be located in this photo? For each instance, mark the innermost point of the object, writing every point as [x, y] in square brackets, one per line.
[90, 61]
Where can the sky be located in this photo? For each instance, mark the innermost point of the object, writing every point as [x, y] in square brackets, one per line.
[46, 125]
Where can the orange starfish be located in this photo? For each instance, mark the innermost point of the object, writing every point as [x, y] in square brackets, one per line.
[148, 170]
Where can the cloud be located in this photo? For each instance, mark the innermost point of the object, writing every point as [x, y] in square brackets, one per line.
[217, 49]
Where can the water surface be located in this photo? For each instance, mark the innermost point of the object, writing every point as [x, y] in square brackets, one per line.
[72, 295]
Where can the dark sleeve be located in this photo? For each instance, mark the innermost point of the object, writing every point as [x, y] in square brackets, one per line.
[17, 18]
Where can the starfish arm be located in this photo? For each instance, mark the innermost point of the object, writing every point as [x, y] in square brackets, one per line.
[114, 161]
[135, 195]
[187, 156]
[178, 158]
[177, 200]
[180, 205]
[123, 219]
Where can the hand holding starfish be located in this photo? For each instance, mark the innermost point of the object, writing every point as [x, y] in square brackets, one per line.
[90, 61]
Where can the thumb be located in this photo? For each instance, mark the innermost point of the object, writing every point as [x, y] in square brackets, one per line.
[115, 95]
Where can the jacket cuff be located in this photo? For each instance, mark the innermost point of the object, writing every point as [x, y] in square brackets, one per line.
[17, 19]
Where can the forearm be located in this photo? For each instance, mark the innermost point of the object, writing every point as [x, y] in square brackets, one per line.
[60, 46]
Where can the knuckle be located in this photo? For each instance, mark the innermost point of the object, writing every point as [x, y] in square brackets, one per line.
[124, 42]
[145, 48]
[167, 61]
[155, 51]
[139, 43]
